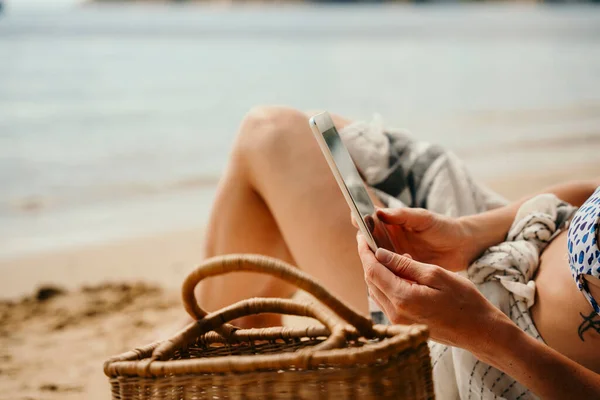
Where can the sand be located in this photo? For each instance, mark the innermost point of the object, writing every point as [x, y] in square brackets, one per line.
[64, 313]
[52, 343]
[53, 347]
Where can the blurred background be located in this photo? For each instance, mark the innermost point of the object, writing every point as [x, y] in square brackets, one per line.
[116, 119]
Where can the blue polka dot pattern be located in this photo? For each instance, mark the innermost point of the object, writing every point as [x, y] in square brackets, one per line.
[584, 253]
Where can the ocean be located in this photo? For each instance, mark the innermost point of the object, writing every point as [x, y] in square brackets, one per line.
[116, 120]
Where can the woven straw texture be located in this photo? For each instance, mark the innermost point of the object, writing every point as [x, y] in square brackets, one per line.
[346, 358]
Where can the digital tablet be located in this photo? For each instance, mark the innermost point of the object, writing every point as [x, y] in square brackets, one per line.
[350, 182]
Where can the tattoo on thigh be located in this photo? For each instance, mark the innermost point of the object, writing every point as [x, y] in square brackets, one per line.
[592, 321]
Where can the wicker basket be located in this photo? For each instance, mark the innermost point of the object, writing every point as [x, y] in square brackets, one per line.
[211, 359]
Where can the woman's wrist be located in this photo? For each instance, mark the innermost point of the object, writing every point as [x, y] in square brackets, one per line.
[476, 242]
[487, 229]
[498, 336]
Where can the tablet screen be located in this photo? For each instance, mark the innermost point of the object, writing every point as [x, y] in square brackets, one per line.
[352, 179]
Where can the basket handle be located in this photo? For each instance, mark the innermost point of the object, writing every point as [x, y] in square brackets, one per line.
[257, 263]
[214, 321]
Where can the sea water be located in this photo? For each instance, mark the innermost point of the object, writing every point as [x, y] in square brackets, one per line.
[116, 120]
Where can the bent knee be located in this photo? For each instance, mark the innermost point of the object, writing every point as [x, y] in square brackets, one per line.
[270, 130]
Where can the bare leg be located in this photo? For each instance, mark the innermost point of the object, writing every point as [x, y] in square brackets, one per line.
[279, 198]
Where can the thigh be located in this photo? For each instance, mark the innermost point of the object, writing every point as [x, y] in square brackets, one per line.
[297, 185]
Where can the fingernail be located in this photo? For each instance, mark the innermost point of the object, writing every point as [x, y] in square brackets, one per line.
[383, 255]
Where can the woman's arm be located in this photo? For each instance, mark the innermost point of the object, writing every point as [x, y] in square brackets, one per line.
[457, 314]
[454, 243]
[490, 228]
[546, 372]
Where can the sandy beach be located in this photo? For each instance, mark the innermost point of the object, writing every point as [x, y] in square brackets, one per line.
[65, 312]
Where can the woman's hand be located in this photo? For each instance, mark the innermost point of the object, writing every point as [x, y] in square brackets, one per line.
[408, 291]
[430, 237]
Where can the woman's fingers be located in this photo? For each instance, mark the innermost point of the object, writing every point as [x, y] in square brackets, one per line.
[407, 268]
[394, 314]
[398, 298]
[381, 300]
[412, 218]
[400, 292]
[375, 273]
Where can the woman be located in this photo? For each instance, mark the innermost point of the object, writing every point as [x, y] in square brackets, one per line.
[279, 198]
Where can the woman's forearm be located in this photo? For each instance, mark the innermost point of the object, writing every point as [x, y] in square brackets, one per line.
[547, 373]
[491, 227]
